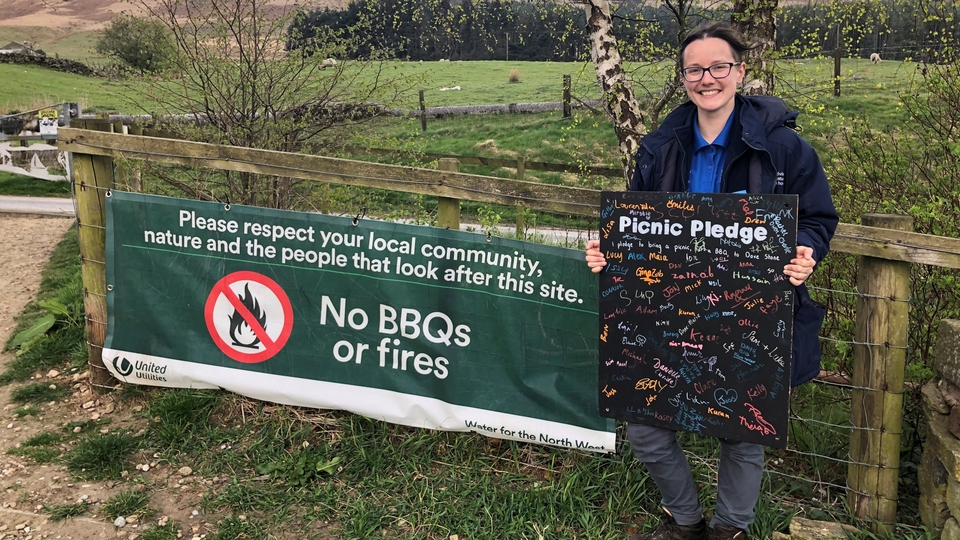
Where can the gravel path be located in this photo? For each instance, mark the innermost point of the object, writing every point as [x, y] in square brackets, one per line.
[25, 245]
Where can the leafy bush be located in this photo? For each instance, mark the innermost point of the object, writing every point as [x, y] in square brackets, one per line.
[915, 171]
[912, 170]
[140, 44]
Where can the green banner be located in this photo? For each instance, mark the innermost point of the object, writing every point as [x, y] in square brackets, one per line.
[413, 325]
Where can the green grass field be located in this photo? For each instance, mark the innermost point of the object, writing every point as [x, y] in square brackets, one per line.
[867, 91]
[488, 82]
[77, 46]
[28, 87]
[481, 83]
[15, 184]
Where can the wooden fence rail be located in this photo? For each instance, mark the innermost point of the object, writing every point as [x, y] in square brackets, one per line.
[24, 139]
[470, 187]
[519, 163]
[886, 244]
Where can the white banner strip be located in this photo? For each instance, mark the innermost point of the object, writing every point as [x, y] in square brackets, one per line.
[379, 404]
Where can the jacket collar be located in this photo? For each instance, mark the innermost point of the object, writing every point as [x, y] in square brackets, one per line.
[757, 115]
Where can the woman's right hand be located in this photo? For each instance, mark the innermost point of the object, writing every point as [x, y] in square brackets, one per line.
[595, 259]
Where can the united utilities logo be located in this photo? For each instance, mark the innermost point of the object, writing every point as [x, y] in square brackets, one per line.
[144, 370]
[122, 365]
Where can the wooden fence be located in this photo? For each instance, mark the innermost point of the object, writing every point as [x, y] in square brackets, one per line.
[886, 245]
[24, 140]
[519, 163]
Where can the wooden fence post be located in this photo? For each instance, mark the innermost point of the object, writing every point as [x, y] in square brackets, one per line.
[132, 177]
[65, 114]
[92, 177]
[521, 222]
[521, 172]
[876, 407]
[566, 96]
[423, 113]
[122, 178]
[836, 70]
[448, 210]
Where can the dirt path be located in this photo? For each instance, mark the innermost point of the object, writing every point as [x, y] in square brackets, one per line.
[25, 245]
[27, 488]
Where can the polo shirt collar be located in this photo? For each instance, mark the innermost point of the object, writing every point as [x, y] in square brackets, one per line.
[721, 140]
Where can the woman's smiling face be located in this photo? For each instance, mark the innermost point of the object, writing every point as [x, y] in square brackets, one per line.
[712, 96]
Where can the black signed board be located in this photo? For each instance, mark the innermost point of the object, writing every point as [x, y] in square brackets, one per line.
[696, 314]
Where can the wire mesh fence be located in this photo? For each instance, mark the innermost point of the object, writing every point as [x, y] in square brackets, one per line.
[810, 477]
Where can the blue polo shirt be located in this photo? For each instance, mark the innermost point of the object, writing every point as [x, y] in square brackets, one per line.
[706, 168]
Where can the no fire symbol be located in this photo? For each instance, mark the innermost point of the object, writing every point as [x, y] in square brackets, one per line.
[249, 316]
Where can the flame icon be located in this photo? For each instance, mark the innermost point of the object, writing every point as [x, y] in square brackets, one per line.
[240, 332]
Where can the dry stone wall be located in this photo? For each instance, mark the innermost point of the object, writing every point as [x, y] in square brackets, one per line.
[939, 473]
[59, 64]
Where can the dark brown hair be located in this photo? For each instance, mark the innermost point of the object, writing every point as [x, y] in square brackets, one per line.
[717, 29]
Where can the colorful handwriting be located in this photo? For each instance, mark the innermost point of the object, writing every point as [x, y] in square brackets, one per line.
[650, 384]
[725, 396]
[759, 423]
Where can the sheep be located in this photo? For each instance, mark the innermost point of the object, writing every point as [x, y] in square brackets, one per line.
[875, 58]
[328, 62]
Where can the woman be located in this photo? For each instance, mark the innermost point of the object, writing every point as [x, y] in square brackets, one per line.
[722, 142]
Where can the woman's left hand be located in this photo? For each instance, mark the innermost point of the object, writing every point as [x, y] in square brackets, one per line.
[800, 268]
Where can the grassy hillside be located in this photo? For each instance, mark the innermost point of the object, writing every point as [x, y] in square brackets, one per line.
[24, 88]
[77, 46]
[480, 83]
[867, 91]
[488, 82]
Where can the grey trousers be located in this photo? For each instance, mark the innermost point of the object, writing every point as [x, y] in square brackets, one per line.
[738, 482]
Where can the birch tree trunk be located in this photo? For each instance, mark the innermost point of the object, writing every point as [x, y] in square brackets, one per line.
[756, 21]
[620, 102]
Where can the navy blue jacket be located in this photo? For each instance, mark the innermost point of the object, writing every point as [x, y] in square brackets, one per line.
[764, 155]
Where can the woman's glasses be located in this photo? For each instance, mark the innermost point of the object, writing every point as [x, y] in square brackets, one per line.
[717, 71]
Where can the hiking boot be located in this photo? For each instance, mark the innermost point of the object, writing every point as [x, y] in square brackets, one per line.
[669, 530]
[722, 532]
